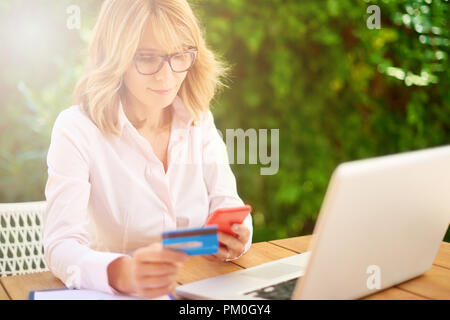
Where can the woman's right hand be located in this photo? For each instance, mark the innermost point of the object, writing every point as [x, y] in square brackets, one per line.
[151, 271]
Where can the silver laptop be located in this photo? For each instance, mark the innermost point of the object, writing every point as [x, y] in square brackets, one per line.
[381, 223]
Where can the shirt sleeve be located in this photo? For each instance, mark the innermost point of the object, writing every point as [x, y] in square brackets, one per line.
[219, 178]
[65, 228]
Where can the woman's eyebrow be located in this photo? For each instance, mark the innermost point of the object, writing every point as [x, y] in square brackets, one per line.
[148, 49]
[154, 50]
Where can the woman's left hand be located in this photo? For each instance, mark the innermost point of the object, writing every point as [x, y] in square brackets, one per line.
[231, 246]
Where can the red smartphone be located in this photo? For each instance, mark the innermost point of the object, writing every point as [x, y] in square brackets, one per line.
[224, 218]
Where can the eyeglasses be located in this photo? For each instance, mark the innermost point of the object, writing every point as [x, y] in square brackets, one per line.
[147, 64]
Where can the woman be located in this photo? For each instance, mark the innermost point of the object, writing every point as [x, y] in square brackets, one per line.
[138, 154]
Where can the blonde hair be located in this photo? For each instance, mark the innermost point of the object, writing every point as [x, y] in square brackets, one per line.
[114, 42]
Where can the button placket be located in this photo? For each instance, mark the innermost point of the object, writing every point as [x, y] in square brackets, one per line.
[151, 181]
[170, 204]
[178, 147]
[148, 173]
[182, 222]
[161, 186]
[144, 145]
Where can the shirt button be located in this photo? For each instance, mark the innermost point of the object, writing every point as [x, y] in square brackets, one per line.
[182, 222]
[148, 172]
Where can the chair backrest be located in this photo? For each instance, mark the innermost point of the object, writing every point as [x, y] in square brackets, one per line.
[21, 249]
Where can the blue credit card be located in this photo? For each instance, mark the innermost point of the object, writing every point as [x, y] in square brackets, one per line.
[195, 241]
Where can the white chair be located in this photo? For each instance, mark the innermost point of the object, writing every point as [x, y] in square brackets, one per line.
[21, 249]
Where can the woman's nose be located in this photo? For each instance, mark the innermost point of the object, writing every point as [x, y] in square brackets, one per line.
[165, 73]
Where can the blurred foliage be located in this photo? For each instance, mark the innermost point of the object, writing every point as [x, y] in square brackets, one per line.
[337, 90]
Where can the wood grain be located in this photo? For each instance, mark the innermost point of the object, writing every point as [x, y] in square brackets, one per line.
[434, 284]
[394, 294]
[443, 256]
[262, 252]
[18, 287]
[297, 244]
[198, 268]
[3, 294]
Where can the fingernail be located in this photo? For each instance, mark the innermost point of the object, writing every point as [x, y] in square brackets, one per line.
[235, 227]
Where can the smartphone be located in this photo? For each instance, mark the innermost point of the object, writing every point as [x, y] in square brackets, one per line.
[224, 218]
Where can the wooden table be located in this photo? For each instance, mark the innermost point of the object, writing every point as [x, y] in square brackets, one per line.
[434, 284]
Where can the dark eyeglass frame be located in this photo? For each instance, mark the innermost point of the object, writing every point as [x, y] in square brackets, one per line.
[168, 58]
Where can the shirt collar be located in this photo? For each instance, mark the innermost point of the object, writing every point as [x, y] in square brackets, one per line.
[181, 117]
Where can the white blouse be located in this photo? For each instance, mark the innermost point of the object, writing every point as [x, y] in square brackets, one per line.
[109, 197]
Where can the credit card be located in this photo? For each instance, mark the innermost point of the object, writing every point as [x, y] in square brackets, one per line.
[196, 241]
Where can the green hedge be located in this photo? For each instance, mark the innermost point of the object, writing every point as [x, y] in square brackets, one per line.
[332, 86]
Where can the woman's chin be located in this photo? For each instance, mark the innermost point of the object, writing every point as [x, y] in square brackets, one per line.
[160, 101]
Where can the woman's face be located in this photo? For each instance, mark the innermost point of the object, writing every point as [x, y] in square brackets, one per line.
[157, 90]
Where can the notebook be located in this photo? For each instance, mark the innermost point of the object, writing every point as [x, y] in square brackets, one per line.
[84, 294]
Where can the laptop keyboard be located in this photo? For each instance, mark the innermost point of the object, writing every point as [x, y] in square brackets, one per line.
[279, 291]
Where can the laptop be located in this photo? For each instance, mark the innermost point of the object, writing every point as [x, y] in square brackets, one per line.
[381, 223]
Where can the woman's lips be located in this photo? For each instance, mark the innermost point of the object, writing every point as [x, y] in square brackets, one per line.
[161, 91]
